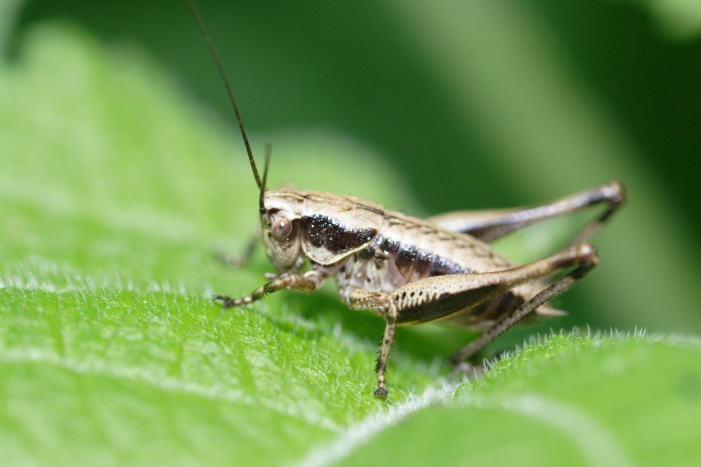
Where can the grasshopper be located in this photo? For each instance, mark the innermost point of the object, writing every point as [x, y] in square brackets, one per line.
[410, 270]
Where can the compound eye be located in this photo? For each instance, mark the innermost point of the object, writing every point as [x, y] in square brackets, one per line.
[281, 228]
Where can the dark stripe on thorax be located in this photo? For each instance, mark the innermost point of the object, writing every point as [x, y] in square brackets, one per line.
[325, 232]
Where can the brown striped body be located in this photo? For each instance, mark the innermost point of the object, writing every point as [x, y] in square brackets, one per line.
[362, 246]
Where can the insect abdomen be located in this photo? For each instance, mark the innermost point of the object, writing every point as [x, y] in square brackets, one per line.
[407, 250]
[385, 265]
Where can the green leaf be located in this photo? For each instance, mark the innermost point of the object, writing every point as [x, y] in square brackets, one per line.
[614, 400]
[114, 192]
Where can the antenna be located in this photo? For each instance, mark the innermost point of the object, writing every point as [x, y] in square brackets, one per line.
[268, 150]
[217, 60]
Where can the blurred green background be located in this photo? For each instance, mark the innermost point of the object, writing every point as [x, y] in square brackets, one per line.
[476, 104]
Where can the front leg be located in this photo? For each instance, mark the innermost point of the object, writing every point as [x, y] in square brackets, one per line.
[235, 262]
[306, 283]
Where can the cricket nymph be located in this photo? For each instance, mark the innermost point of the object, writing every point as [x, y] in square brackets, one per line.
[412, 271]
[363, 246]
